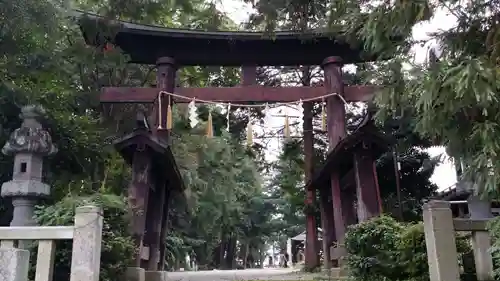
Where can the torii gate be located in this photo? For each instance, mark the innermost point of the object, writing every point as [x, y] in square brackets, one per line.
[170, 49]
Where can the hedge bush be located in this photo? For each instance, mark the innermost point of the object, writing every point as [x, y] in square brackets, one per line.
[372, 249]
[412, 253]
[386, 250]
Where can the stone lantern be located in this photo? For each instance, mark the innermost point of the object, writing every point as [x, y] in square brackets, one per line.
[28, 144]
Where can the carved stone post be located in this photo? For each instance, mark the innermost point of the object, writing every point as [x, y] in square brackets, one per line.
[440, 242]
[86, 254]
[332, 67]
[29, 144]
[14, 264]
[480, 209]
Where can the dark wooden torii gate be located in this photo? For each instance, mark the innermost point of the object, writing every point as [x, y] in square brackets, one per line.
[170, 49]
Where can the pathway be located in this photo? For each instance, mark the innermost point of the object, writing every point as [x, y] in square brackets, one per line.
[240, 275]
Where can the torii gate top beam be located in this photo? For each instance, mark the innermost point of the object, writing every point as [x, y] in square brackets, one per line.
[146, 43]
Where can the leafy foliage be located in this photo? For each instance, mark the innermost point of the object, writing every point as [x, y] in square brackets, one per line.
[494, 229]
[417, 167]
[413, 252]
[456, 96]
[474, 139]
[383, 249]
[372, 249]
[117, 248]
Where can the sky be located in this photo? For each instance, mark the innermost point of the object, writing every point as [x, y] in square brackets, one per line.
[444, 176]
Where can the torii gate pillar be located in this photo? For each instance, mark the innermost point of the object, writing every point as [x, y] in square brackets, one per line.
[336, 127]
[311, 243]
[166, 75]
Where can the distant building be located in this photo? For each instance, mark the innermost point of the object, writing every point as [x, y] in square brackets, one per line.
[296, 243]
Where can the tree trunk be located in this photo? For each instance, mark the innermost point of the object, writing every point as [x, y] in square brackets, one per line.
[216, 256]
[251, 258]
[231, 252]
[262, 256]
[245, 255]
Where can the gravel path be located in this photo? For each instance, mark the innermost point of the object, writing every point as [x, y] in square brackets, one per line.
[235, 275]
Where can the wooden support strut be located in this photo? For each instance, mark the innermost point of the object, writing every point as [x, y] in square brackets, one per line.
[138, 195]
[369, 204]
[327, 226]
[164, 228]
[154, 223]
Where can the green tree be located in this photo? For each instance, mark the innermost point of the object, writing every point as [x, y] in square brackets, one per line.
[55, 68]
[456, 97]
